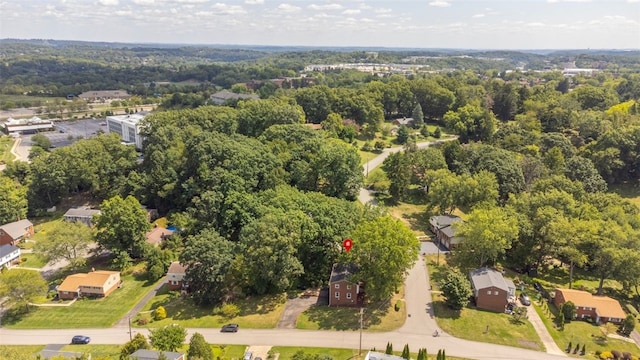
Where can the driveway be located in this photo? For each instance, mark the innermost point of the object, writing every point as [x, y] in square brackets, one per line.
[543, 333]
[293, 308]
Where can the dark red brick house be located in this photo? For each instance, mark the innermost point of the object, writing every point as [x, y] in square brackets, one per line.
[15, 232]
[491, 290]
[343, 291]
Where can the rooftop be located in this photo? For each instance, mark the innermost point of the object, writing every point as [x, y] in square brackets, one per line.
[81, 212]
[94, 278]
[176, 268]
[7, 249]
[341, 272]
[483, 278]
[16, 229]
[605, 306]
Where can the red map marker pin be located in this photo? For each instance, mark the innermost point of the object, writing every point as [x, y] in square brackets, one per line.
[347, 243]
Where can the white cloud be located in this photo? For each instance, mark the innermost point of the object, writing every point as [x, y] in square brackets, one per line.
[288, 8]
[325, 7]
[144, 2]
[228, 9]
[351, 11]
[191, 1]
[557, 1]
[477, 16]
[440, 3]
[108, 2]
[633, 1]
[254, 2]
[382, 11]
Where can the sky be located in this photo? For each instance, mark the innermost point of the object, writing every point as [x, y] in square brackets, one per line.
[456, 24]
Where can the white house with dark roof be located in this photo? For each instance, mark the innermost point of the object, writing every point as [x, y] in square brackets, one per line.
[9, 255]
[82, 214]
[491, 290]
[442, 227]
[175, 276]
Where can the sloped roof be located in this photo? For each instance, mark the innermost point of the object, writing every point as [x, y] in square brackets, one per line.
[441, 221]
[483, 278]
[176, 268]
[604, 305]
[374, 355]
[156, 235]
[94, 278]
[7, 249]
[341, 272]
[16, 229]
[144, 354]
[81, 212]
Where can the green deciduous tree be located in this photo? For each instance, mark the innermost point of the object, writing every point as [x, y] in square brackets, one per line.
[168, 338]
[208, 258]
[22, 287]
[67, 241]
[383, 240]
[13, 200]
[489, 232]
[199, 349]
[41, 141]
[122, 225]
[138, 342]
[456, 289]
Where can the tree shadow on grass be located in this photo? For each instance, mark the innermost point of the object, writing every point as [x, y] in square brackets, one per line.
[260, 304]
[442, 310]
[334, 318]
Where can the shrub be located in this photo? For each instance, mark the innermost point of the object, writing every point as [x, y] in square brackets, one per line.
[230, 310]
[605, 355]
[160, 313]
[616, 354]
[396, 307]
[143, 321]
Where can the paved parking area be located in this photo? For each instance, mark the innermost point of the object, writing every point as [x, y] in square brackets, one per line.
[67, 132]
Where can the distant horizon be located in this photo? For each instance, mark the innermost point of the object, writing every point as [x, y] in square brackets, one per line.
[420, 24]
[230, 45]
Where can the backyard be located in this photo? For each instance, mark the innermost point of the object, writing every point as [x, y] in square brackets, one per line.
[260, 312]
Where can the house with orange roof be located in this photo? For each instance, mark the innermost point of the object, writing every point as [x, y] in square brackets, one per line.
[98, 283]
[601, 309]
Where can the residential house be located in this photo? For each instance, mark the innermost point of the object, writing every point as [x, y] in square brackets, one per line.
[103, 95]
[374, 355]
[223, 96]
[175, 276]
[99, 283]
[441, 227]
[342, 291]
[403, 121]
[601, 309]
[144, 354]
[9, 255]
[13, 233]
[82, 214]
[157, 235]
[491, 290]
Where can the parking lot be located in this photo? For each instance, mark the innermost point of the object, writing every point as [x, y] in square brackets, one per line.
[68, 132]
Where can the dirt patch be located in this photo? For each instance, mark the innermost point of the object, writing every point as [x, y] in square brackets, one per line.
[529, 344]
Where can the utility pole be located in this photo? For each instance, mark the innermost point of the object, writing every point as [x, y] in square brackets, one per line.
[130, 334]
[360, 346]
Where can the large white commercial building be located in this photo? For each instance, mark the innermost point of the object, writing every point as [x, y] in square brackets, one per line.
[27, 126]
[128, 127]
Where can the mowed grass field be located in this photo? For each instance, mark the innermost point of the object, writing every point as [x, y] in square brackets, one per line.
[6, 142]
[260, 312]
[84, 313]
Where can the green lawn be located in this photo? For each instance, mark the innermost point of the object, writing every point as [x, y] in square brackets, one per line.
[84, 313]
[32, 261]
[6, 143]
[287, 352]
[337, 318]
[22, 352]
[260, 312]
[582, 332]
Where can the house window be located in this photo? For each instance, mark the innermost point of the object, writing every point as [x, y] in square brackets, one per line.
[173, 282]
[348, 287]
[348, 295]
[495, 293]
[337, 295]
[337, 286]
[488, 292]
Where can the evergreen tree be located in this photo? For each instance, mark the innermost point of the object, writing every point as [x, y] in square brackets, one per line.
[405, 352]
[389, 349]
[584, 349]
[569, 347]
[418, 116]
[437, 133]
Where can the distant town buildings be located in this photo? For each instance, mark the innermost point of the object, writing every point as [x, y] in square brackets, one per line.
[223, 96]
[104, 95]
[128, 127]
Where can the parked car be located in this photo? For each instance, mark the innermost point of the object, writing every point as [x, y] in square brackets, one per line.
[80, 339]
[524, 299]
[230, 328]
[536, 285]
[247, 355]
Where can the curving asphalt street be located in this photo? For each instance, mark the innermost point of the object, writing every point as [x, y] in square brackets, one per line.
[417, 331]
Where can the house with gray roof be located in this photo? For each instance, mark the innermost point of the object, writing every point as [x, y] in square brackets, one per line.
[144, 354]
[342, 290]
[491, 290]
[9, 255]
[374, 355]
[223, 96]
[13, 233]
[82, 214]
[442, 227]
